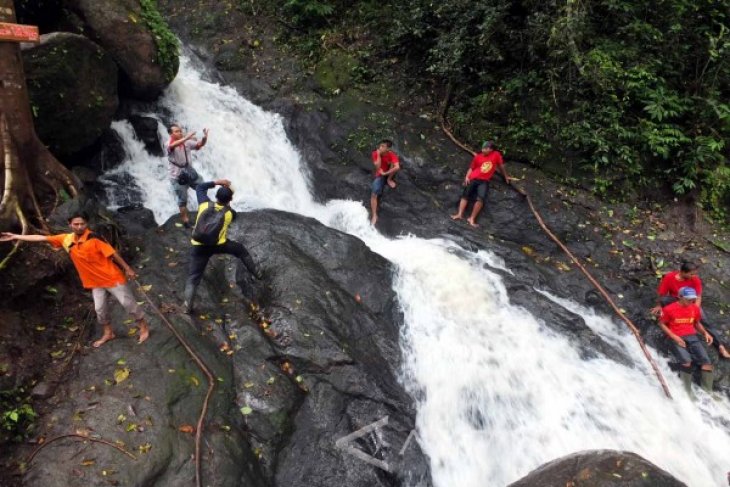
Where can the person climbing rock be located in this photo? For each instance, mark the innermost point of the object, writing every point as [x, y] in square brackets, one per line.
[680, 321]
[209, 236]
[181, 171]
[687, 275]
[476, 181]
[386, 164]
[95, 261]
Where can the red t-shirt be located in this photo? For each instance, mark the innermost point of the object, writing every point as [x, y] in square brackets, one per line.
[386, 161]
[483, 166]
[681, 319]
[671, 283]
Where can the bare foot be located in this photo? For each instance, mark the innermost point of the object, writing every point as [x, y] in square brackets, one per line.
[723, 352]
[391, 183]
[144, 331]
[108, 335]
[456, 217]
[374, 220]
[472, 222]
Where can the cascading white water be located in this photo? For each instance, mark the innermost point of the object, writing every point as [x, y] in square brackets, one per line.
[499, 393]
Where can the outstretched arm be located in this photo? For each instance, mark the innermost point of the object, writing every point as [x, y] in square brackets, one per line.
[8, 237]
[203, 141]
[174, 144]
[201, 190]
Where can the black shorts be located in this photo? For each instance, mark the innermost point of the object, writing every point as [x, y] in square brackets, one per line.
[477, 189]
[695, 351]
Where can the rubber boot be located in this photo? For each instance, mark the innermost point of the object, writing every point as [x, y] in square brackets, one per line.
[686, 377]
[190, 290]
[707, 380]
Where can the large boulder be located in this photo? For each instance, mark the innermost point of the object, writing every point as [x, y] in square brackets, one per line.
[72, 84]
[324, 367]
[137, 38]
[599, 468]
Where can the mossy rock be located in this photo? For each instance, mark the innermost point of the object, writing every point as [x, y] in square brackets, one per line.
[335, 72]
[72, 84]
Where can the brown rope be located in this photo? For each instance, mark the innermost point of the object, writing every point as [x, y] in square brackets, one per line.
[596, 284]
[80, 437]
[206, 372]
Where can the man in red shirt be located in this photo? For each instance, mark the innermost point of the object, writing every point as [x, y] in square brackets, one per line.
[95, 261]
[386, 164]
[680, 321]
[476, 181]
[669, 287]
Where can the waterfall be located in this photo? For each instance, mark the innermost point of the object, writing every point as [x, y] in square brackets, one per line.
[498, 392]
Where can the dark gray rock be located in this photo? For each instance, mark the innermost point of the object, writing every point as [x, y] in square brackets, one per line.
[72, 84]
[118, 26]
[145, 128]
[599, 468]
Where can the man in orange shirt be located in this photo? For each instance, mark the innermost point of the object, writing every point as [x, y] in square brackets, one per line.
[94, 260]
[680, 321]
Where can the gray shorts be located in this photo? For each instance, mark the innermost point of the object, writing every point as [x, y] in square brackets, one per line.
[123, 294]
[181, 190]
[695, 351]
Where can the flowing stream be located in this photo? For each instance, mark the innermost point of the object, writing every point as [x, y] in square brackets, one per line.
[499, 393]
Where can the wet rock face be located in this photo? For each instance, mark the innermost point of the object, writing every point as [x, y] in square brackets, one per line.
[599, 468]
[326, 366]
[72, 84]
[118, 26]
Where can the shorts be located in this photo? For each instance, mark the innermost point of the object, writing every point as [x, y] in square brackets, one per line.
[477, 189]
[181, 190]
[123, 294]
[695, 351]
[378, 185]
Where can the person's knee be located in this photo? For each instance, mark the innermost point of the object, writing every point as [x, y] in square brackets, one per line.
[706, 366]
[686, 367]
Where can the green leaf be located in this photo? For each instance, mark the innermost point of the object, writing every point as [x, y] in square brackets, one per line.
[246, 410]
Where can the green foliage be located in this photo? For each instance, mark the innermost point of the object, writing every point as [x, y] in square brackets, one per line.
[309, 12]
[16, 415]
[630, 93]
[168, 47]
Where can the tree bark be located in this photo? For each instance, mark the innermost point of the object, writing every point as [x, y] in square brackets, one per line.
[30, 173]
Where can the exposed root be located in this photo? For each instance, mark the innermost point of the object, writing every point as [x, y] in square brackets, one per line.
[79, 438]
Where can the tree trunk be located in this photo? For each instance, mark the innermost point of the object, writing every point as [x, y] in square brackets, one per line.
[30, 174]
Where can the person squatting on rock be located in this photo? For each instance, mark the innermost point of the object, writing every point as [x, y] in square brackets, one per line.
[95, 261]
[680, 321]
[669, 286]
[209, 236]
[386, 164]
[182, 173]
[476, 181]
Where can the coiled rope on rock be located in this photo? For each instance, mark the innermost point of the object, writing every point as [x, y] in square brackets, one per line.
[574, 259]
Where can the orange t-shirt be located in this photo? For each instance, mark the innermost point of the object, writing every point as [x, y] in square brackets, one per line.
[92, 258]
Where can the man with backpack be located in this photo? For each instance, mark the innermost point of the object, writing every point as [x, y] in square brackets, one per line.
[182, 173]
[95, 261]
[209, 236]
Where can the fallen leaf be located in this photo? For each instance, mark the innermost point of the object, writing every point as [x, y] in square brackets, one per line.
[132, 331]
[186, 428]
[194, 380]
[248, 385]
[88, 462]
[146, 287]
[131, 427]
[40, 327]
[121, 419]
[246, 410]
[121, 361]
[144, 448]
[120, 375]
[270, 381]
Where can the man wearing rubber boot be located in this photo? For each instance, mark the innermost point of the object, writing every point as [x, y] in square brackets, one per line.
[688, 275]
[209, 236]
[680, 321]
